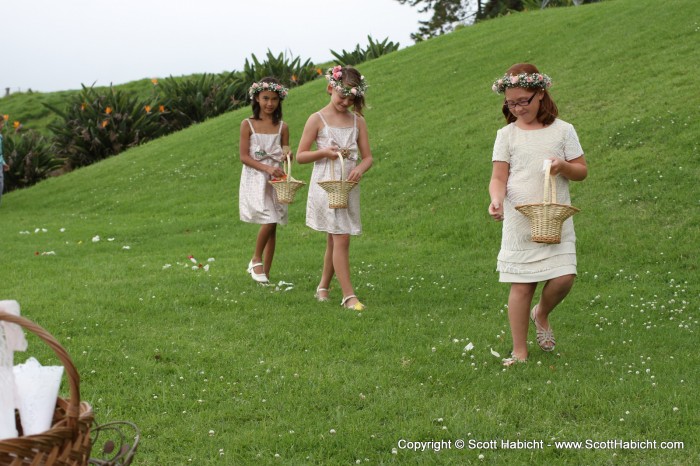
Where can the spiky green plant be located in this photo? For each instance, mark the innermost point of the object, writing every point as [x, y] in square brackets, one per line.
[360, 55]
[30, 156]
[96, 125]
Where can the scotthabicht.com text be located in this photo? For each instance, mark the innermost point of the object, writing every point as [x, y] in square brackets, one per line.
[503, 444]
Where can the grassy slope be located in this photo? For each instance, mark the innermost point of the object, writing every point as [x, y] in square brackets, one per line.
[182, 352]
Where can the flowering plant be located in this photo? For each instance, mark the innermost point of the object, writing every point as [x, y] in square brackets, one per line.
[334, 75]
[533, 80]
[265, 86]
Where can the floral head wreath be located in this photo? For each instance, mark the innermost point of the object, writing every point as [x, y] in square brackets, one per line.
[261, 86]
[334, 75]
[532, 81]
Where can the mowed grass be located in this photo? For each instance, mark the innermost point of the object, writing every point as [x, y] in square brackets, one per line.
[217, 370]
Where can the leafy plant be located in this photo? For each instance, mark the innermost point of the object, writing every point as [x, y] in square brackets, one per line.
[195, 99]
[290, 71]
[96, 126]
[359, 55]
[30, 156]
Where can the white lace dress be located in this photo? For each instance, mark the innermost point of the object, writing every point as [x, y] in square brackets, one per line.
[257, 199]
[520, 260]
[318, 215]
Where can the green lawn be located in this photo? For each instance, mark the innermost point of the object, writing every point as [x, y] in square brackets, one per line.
[216, 370]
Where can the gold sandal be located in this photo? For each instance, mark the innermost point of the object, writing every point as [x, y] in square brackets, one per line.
[358, 306]
[545, 338]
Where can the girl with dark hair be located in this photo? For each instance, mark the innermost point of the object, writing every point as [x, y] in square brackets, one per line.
[533, 135]
[264, 144]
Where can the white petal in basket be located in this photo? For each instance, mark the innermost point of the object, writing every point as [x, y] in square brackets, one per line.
[37, 389]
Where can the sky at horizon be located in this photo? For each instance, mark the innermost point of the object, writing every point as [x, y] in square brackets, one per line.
[52, 46]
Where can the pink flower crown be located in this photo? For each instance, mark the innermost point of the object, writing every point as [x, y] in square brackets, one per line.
[261, 86]
[334, 75]
[534, 81]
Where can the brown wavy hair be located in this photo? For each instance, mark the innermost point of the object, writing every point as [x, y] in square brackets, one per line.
[548, 111]
[352, 78]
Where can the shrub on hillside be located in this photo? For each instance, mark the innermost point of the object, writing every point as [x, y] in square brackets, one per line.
[31, 158]
[192, 100]
[290, 71]
[95, 126]
[359, 55]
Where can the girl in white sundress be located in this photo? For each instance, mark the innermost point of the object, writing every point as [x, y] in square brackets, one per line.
[264, 143]
[337, 132]
[533, 134]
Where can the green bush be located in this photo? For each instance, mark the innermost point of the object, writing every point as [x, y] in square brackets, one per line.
[291, 72]
[359, 55]
[96, 126]
[30, 156]
[195, 99]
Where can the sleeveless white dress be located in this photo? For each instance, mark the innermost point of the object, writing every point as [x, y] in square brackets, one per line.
[257, 199]
[520, 260]
[318, 215]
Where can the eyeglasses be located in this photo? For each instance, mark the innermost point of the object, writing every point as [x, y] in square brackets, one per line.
[521, 103]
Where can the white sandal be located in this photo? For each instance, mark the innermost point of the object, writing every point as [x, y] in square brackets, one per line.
[258, 277]
[317, 295]
[358, 306]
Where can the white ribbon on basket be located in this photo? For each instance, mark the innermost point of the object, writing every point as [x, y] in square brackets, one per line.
[11, 339]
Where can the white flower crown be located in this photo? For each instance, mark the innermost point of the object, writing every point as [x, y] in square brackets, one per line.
[334, 75]
[261, 86]
[533, 80]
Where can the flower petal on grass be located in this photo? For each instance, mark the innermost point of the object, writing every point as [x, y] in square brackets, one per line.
[495, 353]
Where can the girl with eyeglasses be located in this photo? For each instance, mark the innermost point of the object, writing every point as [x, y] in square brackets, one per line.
[533, 135]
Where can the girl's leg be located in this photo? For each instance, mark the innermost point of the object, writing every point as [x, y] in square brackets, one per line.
[554, 292]
[341, 264]
[260, 243]
[269, 250]
[519, 302]
[328, 269]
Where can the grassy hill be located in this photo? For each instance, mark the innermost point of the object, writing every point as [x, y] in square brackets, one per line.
[217, 370]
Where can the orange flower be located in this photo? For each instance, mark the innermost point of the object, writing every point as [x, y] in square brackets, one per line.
[319, 71]
[294, 78]
[161, 108]
[16, 124]
[6, 117]
[147, 108]
[105, 123]
[82, 107]
[108, 110]
[154, 81]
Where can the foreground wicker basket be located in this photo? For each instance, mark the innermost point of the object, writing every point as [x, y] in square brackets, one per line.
[286, 188]
[67, 442]
[338, 190]
[547, 218]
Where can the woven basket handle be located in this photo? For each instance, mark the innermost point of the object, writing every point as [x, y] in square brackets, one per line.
[73, 409]
[288, 171]
[342, 168]
[550, 186]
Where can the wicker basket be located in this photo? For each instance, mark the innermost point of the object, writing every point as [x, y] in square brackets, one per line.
[286, 188]
[67, 442]
[547, 218]
[338, 190]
